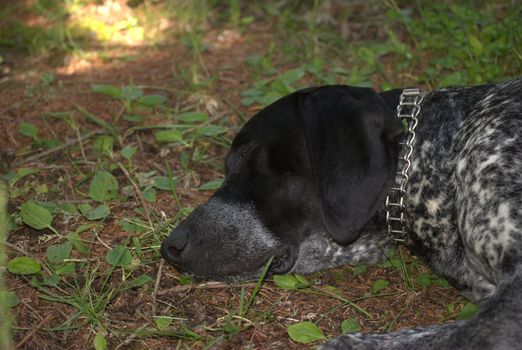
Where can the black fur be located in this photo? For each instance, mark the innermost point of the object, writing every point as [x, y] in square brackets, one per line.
[306, 180]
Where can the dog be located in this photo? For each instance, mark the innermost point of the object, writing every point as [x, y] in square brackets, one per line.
[306, 182]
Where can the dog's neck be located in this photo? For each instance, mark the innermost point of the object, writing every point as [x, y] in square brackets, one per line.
[391, 97]
[408, 109]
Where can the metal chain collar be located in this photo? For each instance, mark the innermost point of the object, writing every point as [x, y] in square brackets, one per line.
[407, 110]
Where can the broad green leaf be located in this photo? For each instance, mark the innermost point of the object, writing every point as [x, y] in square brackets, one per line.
[211, 130]
[76, 241]
[427, 279]
[368, 56]
[397, 263]
[120, 256]
[450, 308]
[139, 281]
[43, 189]
[440, 282]
[451, 79]
[131, 93]
[14, 176]
[23, 172]
[109, 90]
[468, 311]
[70, 209]
[253, 92]
[391, 253]
[379, 285]
[350, 325]
[305, 332]
[291, 282]
[192, 117]
[52, 280]
[98, 213]
[211, 185]
[104, 187]
[424, 279]
[171, 135]
[8, 299]
[254, 60]
[134, 118]
[280, 87]
[35, 216]
[103, 144]
[136, 242]
[152, 100]
[150, 194]
[475, 44]
[28, 129]
[57, 253]
[65, 269]
[51, 207]
[291, 76]
[163, 183]
[11, 224]
[332, 290]
[130, 226]
[185, 280]
[94, 119]
[163, 322]
[35, 283]
[24, 265]
[302, 280]
[287, 282]
[247, 101]
[83, 228]
[359, 270]
[128, 152]
[48, 143]
[269, 98]
[100, 343]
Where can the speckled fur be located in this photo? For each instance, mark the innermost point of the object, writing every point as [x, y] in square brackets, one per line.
[464, 213]
[463, 203]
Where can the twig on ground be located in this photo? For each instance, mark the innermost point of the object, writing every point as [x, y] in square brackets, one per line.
[137, 191]
[129, 338]
[16, 248]
[156, 286]
[69, 143]
[34, 330]
[393, 322]
[100, 240]
[208, 285]
[80, 143]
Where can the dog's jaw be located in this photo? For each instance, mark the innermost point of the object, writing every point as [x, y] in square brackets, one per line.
[318, 251]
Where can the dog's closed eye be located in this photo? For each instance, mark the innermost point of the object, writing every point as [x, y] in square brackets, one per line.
[235, 160]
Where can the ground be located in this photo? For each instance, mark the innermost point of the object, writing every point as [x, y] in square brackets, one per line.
[98, 105]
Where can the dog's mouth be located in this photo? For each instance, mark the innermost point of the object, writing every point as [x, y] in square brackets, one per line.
[282, 259]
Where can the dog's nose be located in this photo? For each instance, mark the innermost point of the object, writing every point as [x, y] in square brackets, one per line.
[172, 246]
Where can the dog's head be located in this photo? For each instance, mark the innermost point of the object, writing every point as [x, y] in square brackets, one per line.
[304, 178]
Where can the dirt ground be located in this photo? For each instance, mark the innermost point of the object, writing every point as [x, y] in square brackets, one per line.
[202, 307]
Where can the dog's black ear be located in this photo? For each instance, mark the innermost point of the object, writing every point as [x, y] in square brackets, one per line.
[352, 137]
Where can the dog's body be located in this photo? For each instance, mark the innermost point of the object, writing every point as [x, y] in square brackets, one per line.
[306, 181]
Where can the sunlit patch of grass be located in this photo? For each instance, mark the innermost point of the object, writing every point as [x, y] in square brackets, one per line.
[43, 26]
[38, 27]
[125, 31]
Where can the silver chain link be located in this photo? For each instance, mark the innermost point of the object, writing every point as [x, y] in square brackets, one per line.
[407, 110]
